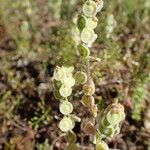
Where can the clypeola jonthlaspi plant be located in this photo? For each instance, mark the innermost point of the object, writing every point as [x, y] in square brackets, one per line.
[102, 124]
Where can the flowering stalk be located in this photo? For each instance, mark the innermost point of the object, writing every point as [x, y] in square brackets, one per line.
[87, 22]
[108, 122]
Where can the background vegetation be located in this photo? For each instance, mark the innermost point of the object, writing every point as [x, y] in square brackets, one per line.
[37, 35]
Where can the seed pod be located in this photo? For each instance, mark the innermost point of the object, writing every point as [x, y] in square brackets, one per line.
[89, 89]
[81, 22]
[66, 108]
[70, 137]
[104, 122]
[89, 128]
[92, 22]
[68, 68]
[113, 118]
[93, 111]
[80, 77]
[71, 146]
[75, 118]
[88, 101]
[59, 73]
[65, 91]
[90, 8]
[116, 114]
[117, 129]
[69, 80]
[102, 146]
[66, 124]
[92, 40]
[87, 35]
[83, 50]
[57, 84]
[107, 131]
[100, 5]
[57, 95]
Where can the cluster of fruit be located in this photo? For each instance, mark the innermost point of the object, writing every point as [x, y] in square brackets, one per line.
[63, 82]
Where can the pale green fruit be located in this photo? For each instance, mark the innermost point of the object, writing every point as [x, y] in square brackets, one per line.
[83, 50]
[88, 101]
[80, 77]
[92, 22]
[68, 68]
[66, 124]
[117, 129]
[104, 122]
[107, 131]
[57, 84]
[68, 80]
[101, 146]
[88, 89]
[71, 137]
[100, 5]
[66, 108]
[90, 8]
[93, 111]
[89, 128]
[71, 146]
[113, 118]
[75, 118]
[65, 91]
[92, 40]
[115, 114]
[81, 22]
[57, 94]
[87, 35]
[59, 73]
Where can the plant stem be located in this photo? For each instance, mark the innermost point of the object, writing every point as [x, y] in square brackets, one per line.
[88, 69]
